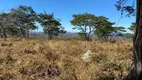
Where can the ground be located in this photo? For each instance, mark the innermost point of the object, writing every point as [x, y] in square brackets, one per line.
[40, 59]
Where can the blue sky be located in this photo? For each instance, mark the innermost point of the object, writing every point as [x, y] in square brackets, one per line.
[64, 9]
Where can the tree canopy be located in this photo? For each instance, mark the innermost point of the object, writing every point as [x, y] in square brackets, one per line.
[129, 10]
[23, 19]
[50, 25]
[132, 27]
[85, 23]
[105, 28]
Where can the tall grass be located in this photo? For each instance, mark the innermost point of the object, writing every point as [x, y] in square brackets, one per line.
[39, 59]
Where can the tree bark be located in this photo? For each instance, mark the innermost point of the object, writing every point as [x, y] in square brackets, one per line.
[136, 69]
[3, 33]
[49, 36]
[90, 30]
[28, 33]
[22, 32]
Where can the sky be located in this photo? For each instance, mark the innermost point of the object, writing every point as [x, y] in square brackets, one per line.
[64, 9]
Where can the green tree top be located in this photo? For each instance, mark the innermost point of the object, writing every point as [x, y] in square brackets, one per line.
[23, 18]
[103, 26]
[84, 23]
[132, 27]
[50, 25]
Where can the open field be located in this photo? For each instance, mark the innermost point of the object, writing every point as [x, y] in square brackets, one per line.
[38, 59]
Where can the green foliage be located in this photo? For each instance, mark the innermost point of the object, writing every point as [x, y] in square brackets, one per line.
[82, 20]
[104, 28]
[3, 25]
[18, 22]
[129, 35]
[50, 25]
[132, 27]
[82, 36]
[129, 10]
[12, 31]
[119, 29]
[85, 23]
[23, 17]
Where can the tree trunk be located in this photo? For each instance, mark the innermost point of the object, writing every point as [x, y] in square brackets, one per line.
[88, 37]
[49, 36]
[3, 33]
[90, 30]
[136, 69]
[22, 32]
[28, 33]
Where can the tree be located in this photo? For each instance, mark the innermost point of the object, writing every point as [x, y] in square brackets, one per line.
[84, 23]
[23, 18]
[51, 26]
[132, 27]
[104, 29]
[118, 31]
[128, 35]
[135, 72]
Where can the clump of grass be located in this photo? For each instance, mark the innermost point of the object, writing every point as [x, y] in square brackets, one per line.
[6, 44]
[28, 51]
[41, 71]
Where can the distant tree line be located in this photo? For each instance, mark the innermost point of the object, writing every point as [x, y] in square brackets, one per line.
[99, 25]
[18, 22]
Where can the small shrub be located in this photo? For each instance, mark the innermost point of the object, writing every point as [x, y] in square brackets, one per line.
[28, 51]
[98, 57]
[6, 44]
[40, 71]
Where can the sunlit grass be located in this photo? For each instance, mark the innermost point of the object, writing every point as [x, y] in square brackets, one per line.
[39, 59]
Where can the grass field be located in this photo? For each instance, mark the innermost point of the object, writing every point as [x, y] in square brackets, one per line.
[39, 59]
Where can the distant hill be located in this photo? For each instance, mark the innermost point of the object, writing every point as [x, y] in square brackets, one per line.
[42, 35]
[71, 34]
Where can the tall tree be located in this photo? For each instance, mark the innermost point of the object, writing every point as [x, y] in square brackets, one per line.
[51, 26]
[136, 69]
[24, 19]
[104, 28]
[5, 24]
[84, 23]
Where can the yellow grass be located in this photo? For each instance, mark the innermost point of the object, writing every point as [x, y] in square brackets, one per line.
[38, 59]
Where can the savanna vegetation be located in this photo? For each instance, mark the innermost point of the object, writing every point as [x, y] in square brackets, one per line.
[23, 20]
[23, 57]
[39, 59]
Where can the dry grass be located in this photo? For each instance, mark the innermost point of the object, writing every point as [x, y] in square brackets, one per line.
[29, 59]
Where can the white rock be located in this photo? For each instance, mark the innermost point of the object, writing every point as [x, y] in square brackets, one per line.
[87, 55]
